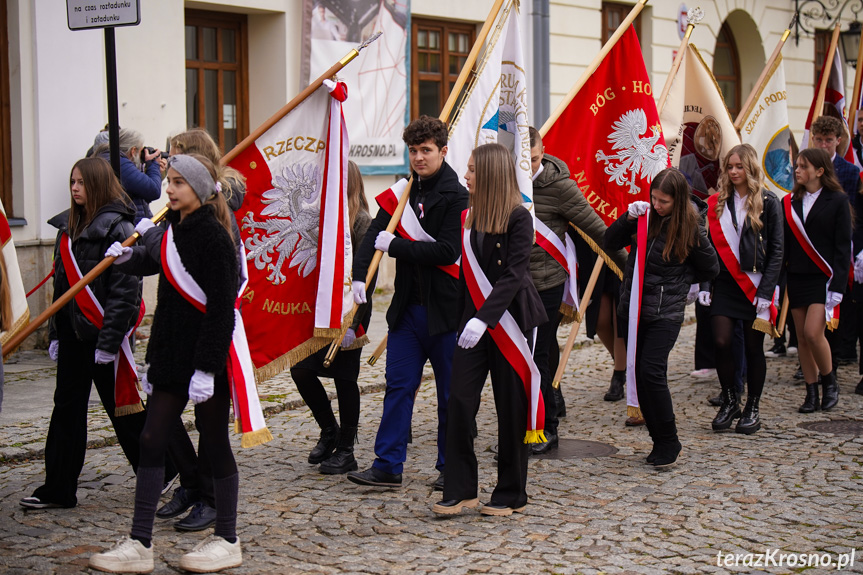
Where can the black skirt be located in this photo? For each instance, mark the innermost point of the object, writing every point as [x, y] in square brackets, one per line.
[346, 365]
[729, 300]
[806, 289]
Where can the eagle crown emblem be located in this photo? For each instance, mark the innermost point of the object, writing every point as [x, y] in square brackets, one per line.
[637, 157]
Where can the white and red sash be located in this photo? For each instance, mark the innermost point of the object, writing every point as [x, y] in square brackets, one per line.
[635, 309]
[409, 226]
[565, 256]
[126, 398]
[799, 231]
[248, 415]
[509, 339]
[726, 239]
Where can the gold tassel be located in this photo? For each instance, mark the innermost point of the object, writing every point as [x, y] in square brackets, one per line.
[534, 436]
[765, 326]
[632, 411]
[257, 437]
[569, 314]
[833, 324]
[600, 252]
[121, 410]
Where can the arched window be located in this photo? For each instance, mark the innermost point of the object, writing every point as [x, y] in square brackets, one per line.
[726, 69]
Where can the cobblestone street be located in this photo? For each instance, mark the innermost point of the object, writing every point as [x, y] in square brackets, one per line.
[784, 488]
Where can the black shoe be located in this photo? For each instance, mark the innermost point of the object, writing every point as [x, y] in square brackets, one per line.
[859, 389]
[201, 517]
[376, 478]
[615, 389]
[830, 391]
[438, 483]
[749, 421]
[558, 399]
[326, 444]
[778, 350]
[667, 444]
[799, 373]
[715, 401]
[454, 506]
[729, 410]
[36, 503]
[181, 501]
[342, 460]
[811, 403]
[546, 446]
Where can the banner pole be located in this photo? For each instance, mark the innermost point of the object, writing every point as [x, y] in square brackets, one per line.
[588, 293]
[825, 77]
[756, 89]
[855, 96]
[693, 17]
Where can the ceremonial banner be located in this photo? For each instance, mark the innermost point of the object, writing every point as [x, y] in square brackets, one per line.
[294, 228]
[765, 127]
[698, 129]
[834, 104]
[20, 310]
[378, 110]
[495, 109]
[609, 135]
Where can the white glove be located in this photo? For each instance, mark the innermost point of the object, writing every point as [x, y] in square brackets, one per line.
[704, 298]
[761, 304]
[201, 387]
[383, 241]
[144, 225]
[146, 385]
[359, 289]
[350, 337]
[858, 268]
[104, 357]
[833, 299]
[692, 295]
[116, 250]
[471, 333]
[638, 209]
[54, 350]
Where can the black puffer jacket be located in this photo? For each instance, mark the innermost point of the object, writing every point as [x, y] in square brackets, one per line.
[184, 339]
[666, 283]
[116, 291]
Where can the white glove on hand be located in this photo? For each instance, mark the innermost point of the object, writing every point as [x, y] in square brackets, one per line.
[201, 387]
[704, 298]
[383, 241]
[761, 304]
[54, 350]
[116, 250]
[637, 209]
[146, 385]
[471, 333]
[692, 295]
[350, 337]
[359, 289]
[833, 299]
[105, 357]
[144, 225]
[858, 268]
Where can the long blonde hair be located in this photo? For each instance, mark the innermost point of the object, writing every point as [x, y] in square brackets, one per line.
[754, 183]
[495, 191]
[356, 193]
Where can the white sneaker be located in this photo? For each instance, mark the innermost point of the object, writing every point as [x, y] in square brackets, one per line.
[126, 556]
[212, 554]
[702, 373]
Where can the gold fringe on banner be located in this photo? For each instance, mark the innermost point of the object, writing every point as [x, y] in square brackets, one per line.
[16, 327]
[285, 361]
[599, 251]
[253, 438]
[765, 326]
[121, 410]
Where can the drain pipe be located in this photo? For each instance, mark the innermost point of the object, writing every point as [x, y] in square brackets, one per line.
[541, 62]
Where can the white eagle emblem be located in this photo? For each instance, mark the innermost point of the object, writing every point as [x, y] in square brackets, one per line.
[636, 156]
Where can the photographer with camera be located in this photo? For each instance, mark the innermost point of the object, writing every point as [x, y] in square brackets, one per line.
[140, 172]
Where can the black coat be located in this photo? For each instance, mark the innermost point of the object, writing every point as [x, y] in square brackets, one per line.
[117, 292]
[828, 226]
[184, 339]
[505, 259]
[666, 282]
[444, 199]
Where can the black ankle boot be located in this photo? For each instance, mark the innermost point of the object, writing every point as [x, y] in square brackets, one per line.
[829, 391]
[749, 421]
[811, 402]
[667, 446]
[615, 390]
[326, 444]
[558, 399]
[342, 460]
[729, 409]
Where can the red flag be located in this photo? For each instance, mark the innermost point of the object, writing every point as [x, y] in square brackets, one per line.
[834, 104]
[610, 135]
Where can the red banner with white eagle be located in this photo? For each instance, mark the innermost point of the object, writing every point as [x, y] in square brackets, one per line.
[294, 226]
[609, 135]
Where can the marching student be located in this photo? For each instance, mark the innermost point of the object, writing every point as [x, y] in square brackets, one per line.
[89, 337]
[818, 257]
[499, 309]
[746, 229]
[188, 352]
[671, 252]
[335, 448]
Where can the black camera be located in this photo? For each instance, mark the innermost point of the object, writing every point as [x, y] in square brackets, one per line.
[146, 150]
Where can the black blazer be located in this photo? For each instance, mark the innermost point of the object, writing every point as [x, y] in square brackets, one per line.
[828, 226]
[505, 260]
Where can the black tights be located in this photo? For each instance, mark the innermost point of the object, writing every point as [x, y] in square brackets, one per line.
[753, 341]
[313, 393]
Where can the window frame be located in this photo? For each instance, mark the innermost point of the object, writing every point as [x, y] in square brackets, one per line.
[731, 45]
[821, 43]
[445, 27]
[623, 10]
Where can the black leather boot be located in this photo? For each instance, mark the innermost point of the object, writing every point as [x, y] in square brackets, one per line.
[326, 444]
[729, 409]
[749, 421]
[558, 399]
[667, 445]
[829, 391]
[811, 402]
[615, 389]
[342, 460]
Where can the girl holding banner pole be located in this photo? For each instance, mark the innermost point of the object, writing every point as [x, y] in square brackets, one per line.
[500, 308]
[671, 253]
[818, 258]
[746, 225]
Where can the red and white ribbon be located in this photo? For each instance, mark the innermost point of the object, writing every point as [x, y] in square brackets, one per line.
[248, 415]
[126, 398]
[562, 254]
[510, 340]
[635, 309]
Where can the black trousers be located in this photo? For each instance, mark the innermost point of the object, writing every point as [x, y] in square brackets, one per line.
[66, 445]
[655, 342]
[469, 371]
[546, 335]
[703, 338]
[347, 389]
